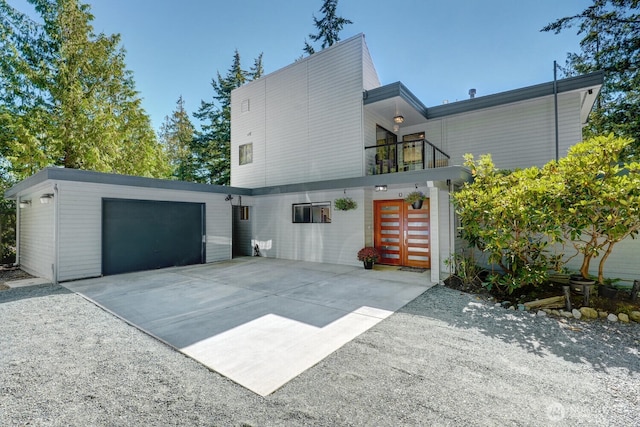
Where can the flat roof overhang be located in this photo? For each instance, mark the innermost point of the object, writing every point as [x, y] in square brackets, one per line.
[395, 98]
[455, 174]
[76, 175]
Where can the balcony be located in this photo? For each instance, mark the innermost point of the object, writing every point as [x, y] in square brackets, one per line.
[404, 156]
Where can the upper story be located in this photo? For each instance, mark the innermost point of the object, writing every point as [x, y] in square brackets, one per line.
[327, 116]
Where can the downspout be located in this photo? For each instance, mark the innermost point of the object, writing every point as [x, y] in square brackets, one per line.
[56, 240]
[17, 263]
[452, 225]
[555, 104]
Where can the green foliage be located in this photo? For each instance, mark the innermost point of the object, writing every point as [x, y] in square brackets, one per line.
[329, 27]
[590, 198]
[415, 196]
[176, 135]
[212, 147]
[67, 98]
[597, 189]
[508, 216]
[345, 204]
[464, 267]
[611, 42]
[7, 222]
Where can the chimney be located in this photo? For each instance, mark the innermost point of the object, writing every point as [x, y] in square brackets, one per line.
[472, 93]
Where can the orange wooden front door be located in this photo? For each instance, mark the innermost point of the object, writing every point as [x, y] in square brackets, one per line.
[402, 234]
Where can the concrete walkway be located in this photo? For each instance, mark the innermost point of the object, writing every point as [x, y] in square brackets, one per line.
[260, 322]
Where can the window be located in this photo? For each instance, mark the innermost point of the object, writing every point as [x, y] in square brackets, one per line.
[312, 212]
[244, 213]
[246, 153]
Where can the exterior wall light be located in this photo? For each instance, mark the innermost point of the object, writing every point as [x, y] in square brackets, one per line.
[25, 204]
[46, 198]
[381, 188]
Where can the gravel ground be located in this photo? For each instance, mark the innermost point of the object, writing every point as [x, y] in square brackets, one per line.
[446, 358]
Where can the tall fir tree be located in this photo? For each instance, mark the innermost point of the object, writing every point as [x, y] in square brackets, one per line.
[611, 42]
[67, 98]
[212, 145]
[329, 27]
[177, 137]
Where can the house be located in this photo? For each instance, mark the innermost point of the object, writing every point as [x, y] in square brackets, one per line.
[303, 136]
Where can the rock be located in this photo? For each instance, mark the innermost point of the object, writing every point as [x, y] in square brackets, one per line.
[576, 313]
[541, 313]
[521, 307]
[566, 314]
[547, 310]
[506, 304]
[623, 317]
[511, 307]
[588, 313]
[555, 312]
[612, 317]
[603, 314]
[635, 316]
[497, 304]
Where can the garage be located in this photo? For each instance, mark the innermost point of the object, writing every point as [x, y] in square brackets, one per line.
[75, 224]
[142, 235]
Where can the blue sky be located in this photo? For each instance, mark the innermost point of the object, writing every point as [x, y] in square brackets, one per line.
[438, 49]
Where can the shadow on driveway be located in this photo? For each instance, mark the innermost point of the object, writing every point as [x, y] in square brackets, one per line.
[601, 344]
[36, 291]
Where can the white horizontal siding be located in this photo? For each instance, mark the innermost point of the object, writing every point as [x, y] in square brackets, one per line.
[336, 243]
[370, 77]
[36, 250]
[335, 114]
[311, 119]
[80, 223]
[249, 128]
[287, 125]
[517, 135]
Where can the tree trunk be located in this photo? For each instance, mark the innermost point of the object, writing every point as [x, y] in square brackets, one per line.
[602, 261]
[584, 269]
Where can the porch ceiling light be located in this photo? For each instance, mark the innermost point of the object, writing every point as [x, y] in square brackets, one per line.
[399, 119]
[381, 188]
[25, 204]
[46, 198]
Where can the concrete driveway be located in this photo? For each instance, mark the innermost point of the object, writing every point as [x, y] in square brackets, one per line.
[260, 322]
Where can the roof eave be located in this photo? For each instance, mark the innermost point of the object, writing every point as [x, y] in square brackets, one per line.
[592, 81]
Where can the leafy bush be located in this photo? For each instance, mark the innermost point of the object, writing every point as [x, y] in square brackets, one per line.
[415, 196]
[507, 215]
[368, 253]
[7, 224]
[465, 268]
[345, 204]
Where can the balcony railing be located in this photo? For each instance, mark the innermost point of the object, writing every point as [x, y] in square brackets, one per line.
[404, 156]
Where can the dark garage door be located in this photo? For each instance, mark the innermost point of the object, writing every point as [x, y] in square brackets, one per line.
[145, 235]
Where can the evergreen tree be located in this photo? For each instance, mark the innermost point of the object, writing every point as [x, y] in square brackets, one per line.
[611, 42]
[329, 26]
[212, 145]
[176, 135]
[67, 98]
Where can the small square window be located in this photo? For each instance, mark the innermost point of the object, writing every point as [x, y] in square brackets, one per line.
[246, 153]
[244, 107]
